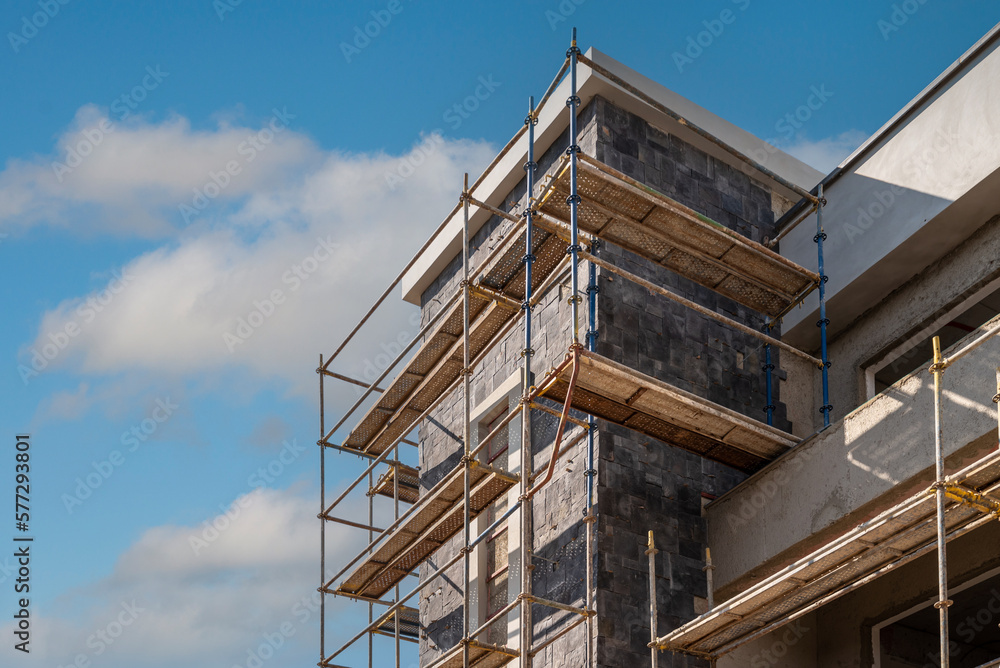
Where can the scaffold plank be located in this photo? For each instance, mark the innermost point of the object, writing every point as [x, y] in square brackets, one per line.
[438, 361]
[616, 393]
[409, 483]
[438, 518]
[480, 656]
[901, 533]
[632, 215]
[409, 623]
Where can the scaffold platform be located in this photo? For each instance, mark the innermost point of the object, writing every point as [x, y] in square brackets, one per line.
[409, 483]
[409, 623]
[438, 362]
[480, 656]
[621, 210]
[630, 398]
[438, 518]
[884, 543]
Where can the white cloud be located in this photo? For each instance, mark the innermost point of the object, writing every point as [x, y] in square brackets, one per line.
[278, 278]
[824, 154]
[204, 609]
[130, 177]
[67, 405]
[262, 529]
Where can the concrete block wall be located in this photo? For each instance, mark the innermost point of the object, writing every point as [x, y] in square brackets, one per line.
[651, 333]
[642, 484]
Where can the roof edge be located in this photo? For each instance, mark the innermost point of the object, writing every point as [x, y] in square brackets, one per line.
[552, 122]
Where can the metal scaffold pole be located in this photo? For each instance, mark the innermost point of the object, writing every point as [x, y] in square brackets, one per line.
[574, 198]
[824, 322]
[395, 511]
[591, 472]
[371, 535]
[529, 260]
[574, 249]
[322, 522]
[709, 578]
[937, 369]
[768, 368]
[996, 400]
[466, 426]
[651, 552]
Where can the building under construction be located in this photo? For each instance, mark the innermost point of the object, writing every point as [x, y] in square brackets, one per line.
[678, 399]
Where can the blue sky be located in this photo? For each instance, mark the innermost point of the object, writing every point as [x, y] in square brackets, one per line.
[235, 169]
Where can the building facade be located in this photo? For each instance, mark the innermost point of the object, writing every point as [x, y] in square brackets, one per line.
[792, 543]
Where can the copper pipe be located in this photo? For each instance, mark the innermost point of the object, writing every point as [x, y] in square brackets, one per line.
[562, 423]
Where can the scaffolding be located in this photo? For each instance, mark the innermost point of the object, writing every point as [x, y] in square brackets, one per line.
[581, 204]
[922, 524]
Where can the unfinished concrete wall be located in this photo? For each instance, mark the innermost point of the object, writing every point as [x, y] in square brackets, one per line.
[903, 314]
[884, 446]
[877, 456]
[845, 639]
[655, 335]
[792, 646]
[840, 634]
[644, 484]
[916, 194]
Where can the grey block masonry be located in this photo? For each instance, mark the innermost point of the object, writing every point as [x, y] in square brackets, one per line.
[642, 484]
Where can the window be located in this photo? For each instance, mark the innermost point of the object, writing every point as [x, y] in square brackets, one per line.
[916, 352]
[911, 639]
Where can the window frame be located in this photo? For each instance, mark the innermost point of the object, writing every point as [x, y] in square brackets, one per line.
[889, 356]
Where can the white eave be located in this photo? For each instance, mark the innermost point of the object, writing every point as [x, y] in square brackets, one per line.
[553, 120]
